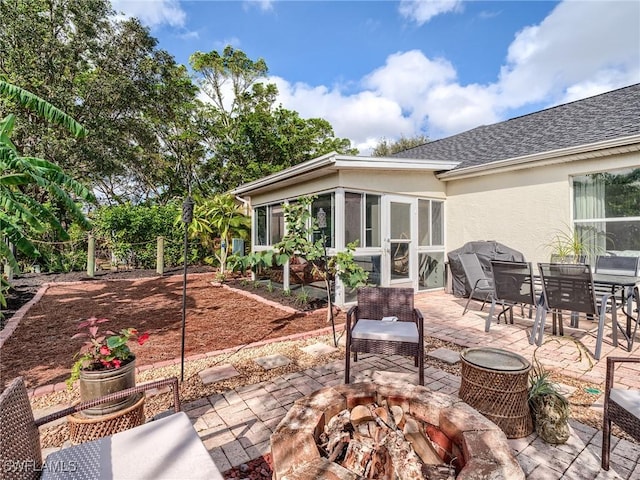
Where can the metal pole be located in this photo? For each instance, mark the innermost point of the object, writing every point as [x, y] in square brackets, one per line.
[187, 216]
[329, 302]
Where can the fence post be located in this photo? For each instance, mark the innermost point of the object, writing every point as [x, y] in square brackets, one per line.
[160, 256]
[91, 256]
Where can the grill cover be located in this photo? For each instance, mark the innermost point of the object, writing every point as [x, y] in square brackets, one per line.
[486, 251]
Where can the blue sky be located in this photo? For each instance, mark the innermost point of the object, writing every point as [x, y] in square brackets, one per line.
[379, 69]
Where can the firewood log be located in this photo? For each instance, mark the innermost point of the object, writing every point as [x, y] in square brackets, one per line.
[420, 443]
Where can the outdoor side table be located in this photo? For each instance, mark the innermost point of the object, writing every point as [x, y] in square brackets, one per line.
[495, 382]
[83, 428]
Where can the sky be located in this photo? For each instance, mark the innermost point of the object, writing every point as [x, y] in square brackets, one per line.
[386, 69]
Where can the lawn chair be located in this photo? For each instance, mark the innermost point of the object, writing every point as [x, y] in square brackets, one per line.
[621, 406]
[570, 287]
[165, 448]
[513, 285]
[371, 327]
[478, 281]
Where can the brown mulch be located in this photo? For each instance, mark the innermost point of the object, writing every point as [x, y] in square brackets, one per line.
[41, 349]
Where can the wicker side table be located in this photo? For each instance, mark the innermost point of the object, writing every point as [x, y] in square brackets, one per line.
[83, 429]
[495, 382]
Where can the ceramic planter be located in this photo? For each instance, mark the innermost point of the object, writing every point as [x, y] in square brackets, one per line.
[97, 383]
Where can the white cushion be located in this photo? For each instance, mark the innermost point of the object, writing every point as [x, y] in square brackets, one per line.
[390, 331]
[627, 399]
[168, 448]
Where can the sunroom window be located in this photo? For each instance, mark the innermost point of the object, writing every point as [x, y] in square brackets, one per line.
[606, 210]
[362, 219]
[325, 203]
[269, 224]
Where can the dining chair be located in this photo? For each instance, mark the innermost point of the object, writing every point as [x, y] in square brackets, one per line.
[478, 282]
[570, 287]
[621, 406]
[513, 284]
[615, 265]
[385, 321]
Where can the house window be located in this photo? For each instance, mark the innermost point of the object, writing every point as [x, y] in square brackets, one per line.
[362, 219]
[326, 203]
[606, 210]
[276, 223]
[261, 225]
[430, 223]
[269, 224]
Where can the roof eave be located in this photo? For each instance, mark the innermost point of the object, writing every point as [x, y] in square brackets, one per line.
[333, 162]
[579, 152]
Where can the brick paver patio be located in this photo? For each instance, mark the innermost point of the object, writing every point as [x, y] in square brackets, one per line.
[235, 426]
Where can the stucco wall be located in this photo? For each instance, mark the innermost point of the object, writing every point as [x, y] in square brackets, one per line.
[523, 209]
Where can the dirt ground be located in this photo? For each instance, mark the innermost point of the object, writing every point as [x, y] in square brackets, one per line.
[41, 349]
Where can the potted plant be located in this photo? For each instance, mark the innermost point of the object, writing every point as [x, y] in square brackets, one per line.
[105, 364]
[575, 246]
[549, 408]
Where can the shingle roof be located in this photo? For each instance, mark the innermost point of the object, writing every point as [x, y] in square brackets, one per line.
[610, 115]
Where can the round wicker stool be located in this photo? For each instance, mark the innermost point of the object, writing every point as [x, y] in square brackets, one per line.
[83, 429]
[495, 382]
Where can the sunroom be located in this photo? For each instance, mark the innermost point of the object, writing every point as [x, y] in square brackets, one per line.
[394, 208]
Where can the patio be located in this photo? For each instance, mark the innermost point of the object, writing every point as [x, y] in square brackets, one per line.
[235, 426]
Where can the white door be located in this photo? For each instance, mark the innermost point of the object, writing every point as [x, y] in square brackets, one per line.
[398, 241]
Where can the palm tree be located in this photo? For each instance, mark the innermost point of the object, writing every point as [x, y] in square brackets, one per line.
[21, 175]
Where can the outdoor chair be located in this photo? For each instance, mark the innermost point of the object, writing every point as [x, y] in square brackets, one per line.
[513, 284]
[478, 281]
[168, 447]
[613, 265]
[570, 287]
[621, 406]
[385, 322]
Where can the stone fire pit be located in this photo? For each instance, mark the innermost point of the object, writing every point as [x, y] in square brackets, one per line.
[485, 451]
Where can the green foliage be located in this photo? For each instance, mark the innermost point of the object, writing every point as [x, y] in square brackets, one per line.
[386, 148]
[572, 243]
[131, 231]
[27, 182]
[216, 221]
[246, 134]
[107, 72]
[298, 242]
[302, 297]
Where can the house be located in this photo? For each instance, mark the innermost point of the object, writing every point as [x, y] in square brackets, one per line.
[519, 182]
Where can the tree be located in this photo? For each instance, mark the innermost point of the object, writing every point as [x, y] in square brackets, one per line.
[386, 148]
[19, 209]
[109, 74]
[298, 242]
[247, 135]
[216, 221]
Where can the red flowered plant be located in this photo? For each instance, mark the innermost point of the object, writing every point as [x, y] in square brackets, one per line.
[103, 351]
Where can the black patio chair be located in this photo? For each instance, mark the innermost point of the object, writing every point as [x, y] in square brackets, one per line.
[513, 284]
[478, 282]
[614, 265]
[386, 322]
[570, 287]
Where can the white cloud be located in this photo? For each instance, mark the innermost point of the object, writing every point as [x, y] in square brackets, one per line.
[264, 5]
[421, 11]
[153, 12]
[579, 43]
[580, 49]
[221, 44]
